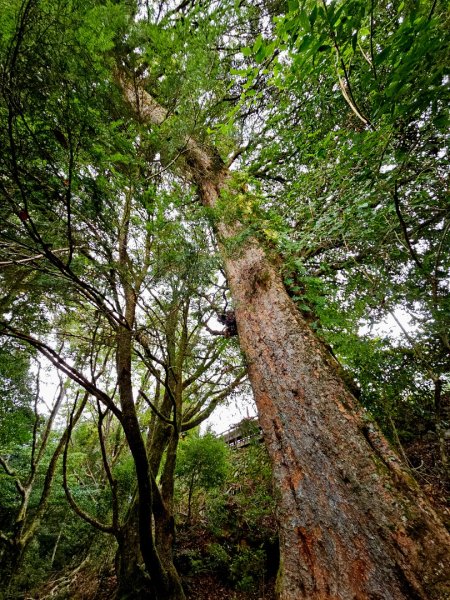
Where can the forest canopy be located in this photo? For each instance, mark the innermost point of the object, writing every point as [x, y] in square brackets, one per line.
[202, 201]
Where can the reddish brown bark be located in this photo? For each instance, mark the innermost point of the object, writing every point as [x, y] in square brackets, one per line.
[353, 523]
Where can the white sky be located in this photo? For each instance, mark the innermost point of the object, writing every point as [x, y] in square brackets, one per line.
[227, 415]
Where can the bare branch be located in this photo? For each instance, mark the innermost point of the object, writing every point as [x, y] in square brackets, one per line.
[63, 366]
[155, 410]
[195, 420]
[7, 468]
[22, 261]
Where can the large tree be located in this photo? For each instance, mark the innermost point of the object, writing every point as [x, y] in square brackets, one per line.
[353, 523]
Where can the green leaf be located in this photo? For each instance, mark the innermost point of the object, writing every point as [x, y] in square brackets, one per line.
[313, 16]
[304, 20]
[306, 42]
[258, 43]
[261, 54]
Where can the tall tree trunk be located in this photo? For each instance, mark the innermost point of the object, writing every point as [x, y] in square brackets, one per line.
[158, 585]
[353, 523]
[163, 582]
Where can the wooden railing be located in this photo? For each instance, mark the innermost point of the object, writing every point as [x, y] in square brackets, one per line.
[240, 435]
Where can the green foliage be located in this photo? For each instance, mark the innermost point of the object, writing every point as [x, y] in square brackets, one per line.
[248, 568]
[244, 568]
[202, 461]
[249, 505]
[236, 539]
[16, 392]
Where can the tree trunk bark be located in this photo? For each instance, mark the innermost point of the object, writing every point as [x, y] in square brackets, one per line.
[353, 523]
[130, 424]
[133, 581]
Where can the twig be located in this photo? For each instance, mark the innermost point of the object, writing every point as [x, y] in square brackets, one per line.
[404, 228]
[32, 258]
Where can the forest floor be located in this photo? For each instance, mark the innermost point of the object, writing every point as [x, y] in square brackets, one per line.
[88, 585]
[206, 587]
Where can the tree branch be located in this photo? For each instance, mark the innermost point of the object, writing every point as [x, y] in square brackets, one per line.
[155, 410]
[74, 506]
[62, 365]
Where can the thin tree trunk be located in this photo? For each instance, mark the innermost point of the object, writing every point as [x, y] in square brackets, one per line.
[55, 547]
[353, 523]
[25, 526]
[164, 582]
[160, 584]
[190, 494]
[133, 581]
[161, 581]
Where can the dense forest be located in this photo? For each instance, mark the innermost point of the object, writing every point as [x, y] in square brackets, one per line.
[206, 202]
